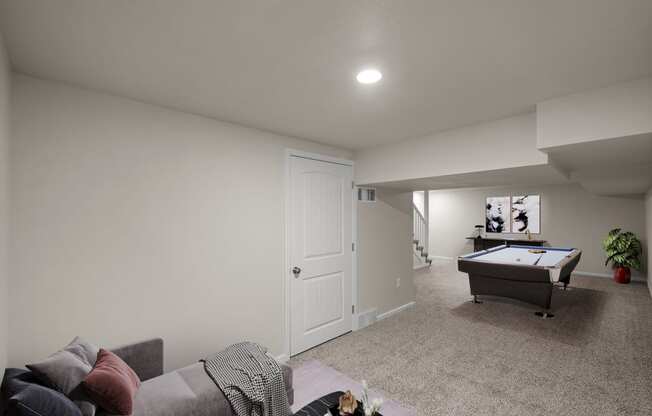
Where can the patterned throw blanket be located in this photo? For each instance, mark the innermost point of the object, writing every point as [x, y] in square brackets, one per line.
[251, 380]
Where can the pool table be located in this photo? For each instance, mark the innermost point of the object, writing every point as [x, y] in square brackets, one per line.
[519, 272]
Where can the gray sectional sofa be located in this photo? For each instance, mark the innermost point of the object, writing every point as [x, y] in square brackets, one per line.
[188, 391]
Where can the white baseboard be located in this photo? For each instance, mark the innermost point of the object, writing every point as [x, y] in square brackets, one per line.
[283, 358]
[367, 318]
[580, 272]
[395, 311]
[606, 275]
[355, 324]
[441, 257]
[420, 266]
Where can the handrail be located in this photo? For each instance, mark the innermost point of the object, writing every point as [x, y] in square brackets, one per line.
[414, 207]
[420, 234]
[419, 227]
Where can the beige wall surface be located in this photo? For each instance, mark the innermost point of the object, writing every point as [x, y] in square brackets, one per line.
[615, 111]
[132, 221]
[570, 217]
[648, 224]
[385, 252]
[4, 201]
[501, 144]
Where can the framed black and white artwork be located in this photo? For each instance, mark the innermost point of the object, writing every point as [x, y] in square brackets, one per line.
[526, 214]
[497, 218]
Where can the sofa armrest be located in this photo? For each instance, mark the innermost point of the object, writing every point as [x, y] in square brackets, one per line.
[145, 358]
[288, 377]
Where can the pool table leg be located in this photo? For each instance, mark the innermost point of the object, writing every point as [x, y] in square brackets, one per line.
[545, 314]
[475, 299]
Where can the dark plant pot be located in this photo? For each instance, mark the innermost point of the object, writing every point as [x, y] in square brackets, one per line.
[622, 275]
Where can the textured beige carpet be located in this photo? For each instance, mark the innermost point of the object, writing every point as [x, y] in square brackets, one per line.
[447, 356]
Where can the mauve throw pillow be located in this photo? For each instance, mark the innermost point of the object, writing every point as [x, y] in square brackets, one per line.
[112, 384]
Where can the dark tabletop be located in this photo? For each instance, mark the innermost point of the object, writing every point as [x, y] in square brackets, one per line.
[321, 406]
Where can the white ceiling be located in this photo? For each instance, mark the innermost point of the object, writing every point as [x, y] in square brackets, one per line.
[290, 66]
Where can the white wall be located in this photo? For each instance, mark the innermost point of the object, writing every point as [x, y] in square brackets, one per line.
[4, 201]
[648, 224]
[385, 252]
[615, 111]
[501, 144]
[570, 217]
[133, 221]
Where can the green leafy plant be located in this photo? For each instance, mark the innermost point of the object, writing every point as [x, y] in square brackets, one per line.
[623, 249]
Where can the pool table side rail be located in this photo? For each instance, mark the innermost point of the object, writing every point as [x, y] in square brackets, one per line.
[505, 271]
[573, 253]
[481, 252]
[569, 249]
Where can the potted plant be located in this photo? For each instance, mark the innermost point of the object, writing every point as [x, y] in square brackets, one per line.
[623, 250]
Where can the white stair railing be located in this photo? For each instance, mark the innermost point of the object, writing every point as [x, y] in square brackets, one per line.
[420, 234]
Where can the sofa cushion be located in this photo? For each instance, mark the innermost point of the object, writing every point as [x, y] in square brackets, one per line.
[22, 396]
[187, 391]
[112, 383]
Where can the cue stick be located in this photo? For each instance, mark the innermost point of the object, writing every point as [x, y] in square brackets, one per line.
[537, 262]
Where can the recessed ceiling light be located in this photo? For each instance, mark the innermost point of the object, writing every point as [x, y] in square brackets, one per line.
[369, 76]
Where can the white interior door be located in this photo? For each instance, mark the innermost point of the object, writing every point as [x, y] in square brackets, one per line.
[320, 252]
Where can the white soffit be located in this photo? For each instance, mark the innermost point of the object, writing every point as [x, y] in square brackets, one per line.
[521, 176]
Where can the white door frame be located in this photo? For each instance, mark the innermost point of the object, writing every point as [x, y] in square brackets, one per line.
[287, 273]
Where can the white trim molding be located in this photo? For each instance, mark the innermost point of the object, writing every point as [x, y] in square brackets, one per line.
[283, 358]
[591, 274]
[367, 318]
[317, 156]
[354, 260]
[442, 258]
[394, 311]
[606, 275]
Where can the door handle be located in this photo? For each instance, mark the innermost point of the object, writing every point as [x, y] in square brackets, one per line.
[296, 270]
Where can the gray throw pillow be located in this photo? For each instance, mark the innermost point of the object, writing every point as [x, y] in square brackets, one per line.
[66, 369]
[83, 349]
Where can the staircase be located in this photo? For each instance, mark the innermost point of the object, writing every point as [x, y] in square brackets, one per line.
[420, 239]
